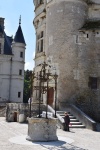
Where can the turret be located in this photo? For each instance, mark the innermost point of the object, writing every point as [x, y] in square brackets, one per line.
[63, 20]
[18, 51]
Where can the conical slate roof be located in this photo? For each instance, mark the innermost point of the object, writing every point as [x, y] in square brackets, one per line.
[19, 38]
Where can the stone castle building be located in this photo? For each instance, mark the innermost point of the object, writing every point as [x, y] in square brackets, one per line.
[68, 38]
[12, 59]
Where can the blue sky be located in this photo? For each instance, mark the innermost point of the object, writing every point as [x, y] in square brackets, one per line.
[11, 11]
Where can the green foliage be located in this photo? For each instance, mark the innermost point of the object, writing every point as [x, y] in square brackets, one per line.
[27, 85]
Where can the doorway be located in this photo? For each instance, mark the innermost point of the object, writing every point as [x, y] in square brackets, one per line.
[15, 116]
[50, 96]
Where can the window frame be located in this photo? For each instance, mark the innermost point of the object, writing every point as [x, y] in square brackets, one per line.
[93, 83]
[19, 94]
[40, 42]
[20, 72]
[21, 54]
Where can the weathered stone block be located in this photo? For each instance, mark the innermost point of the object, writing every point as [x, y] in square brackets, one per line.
[41, 129]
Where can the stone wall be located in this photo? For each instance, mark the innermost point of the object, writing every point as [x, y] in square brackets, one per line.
[88, 66]
[73, 51]
[63, 20]
[13, 110]
[2, 111]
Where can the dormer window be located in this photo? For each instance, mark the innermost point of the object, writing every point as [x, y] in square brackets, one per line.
[41, 1]
[38, 2]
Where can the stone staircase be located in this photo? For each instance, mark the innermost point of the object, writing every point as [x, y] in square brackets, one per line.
[74, 122]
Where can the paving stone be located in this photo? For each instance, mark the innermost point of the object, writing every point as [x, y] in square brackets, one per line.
[76, 139]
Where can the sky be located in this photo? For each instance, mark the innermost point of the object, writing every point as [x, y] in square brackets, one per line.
[11, 11]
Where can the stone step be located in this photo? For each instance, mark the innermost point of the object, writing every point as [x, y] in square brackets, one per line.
[76, 123]
[76, 126]
[62, 112]
[74, 120]
[71, 116]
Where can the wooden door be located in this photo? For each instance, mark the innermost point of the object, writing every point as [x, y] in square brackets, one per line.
[15, 116]
[50, 96]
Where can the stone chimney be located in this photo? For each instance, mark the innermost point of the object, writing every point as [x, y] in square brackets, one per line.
[2, 22]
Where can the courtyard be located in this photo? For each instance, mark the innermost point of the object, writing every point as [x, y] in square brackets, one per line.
[13, 136]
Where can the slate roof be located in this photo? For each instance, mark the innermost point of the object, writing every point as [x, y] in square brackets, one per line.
[7, 42]
[90, 25]
[19, 38]
[7, 45]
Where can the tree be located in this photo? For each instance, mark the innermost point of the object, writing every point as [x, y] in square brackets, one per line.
[27, 85]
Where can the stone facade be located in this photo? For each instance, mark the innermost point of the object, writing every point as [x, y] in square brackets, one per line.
[12, 59]
[71, 43]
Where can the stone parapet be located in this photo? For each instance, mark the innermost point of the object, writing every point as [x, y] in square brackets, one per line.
[18, 109]
[41, 129]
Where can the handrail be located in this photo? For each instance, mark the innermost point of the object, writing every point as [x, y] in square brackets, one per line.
[58, 116]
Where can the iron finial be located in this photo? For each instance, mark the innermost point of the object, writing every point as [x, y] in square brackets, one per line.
[20, 20]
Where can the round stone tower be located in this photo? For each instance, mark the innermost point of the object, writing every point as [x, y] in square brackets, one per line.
[63, 20]
[40, 27]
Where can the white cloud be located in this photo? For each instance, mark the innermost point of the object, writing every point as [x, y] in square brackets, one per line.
[29, 65]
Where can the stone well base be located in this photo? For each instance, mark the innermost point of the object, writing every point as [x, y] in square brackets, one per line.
[41, 129]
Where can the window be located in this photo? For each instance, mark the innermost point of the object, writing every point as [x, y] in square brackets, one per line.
[42, 45]
[20, 72]
[93, 82]
[21, 54]
[40, 2]
[0, 48]
[42, 34]
[40, 41]
[19, 94]
[87, 36]
[76, 38]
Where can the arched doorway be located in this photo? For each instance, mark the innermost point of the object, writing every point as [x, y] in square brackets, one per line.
[50, 96]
